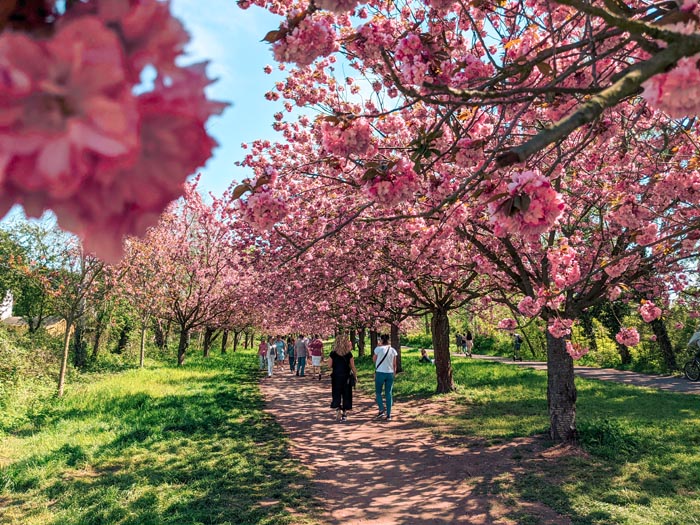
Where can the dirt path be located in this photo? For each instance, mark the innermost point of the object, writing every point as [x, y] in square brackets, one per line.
[374, 472]
[668, 383]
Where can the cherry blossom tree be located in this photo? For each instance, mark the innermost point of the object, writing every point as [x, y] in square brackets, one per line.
[76, 136]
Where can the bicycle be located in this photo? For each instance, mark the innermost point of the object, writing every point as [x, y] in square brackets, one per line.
[692, 368]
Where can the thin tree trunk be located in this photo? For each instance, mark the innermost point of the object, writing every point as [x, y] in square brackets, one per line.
[142, 348]
[373, 340]
[396, 343]
[587, 325]
[224, 341]
[361, 342]
[561, 391]
[440, 326]
[353, 339]
[64, 360]
[79, 345]
[182, 346]
[99, 331]
[208, 338]
[659, 329]
[237, 339]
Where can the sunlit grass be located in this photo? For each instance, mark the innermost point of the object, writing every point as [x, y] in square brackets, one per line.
[156, 446]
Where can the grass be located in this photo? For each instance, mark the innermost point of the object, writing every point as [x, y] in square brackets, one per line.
[639, 461]
[158, 446]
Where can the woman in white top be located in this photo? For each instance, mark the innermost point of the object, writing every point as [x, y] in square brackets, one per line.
[384, 368]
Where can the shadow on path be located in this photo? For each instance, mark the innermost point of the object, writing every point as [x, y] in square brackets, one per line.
[374, 472]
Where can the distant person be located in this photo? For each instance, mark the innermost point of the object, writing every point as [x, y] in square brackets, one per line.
[271, 357]
[468, 344]
[280, 347]
[458, 341]
[316, 352]
[301, 350]
[517, 343]
[424, 356]
[342, 366]
[262, 353]
[290, 353]
[385, 366]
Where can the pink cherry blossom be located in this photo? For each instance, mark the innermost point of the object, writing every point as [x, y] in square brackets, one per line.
[507, 324]
[532, 208]
[394, 184]
[347, 138]
[678, 91]
[649, 311]
[575, 350]
[627, 337]
[313, 37]
[529, 307]
[560, 327]
[337, 6]
[263, 210]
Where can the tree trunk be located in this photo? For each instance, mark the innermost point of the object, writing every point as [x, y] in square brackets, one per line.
[561, 391]
[237, 339]
[208, 339]
[99, 331]
[361, 342]
[353, 339]
[142, 346]
[659, 328]
[440, 326]
[79, 345]
[587, 325]
[64, 360]
[182, 346]
[373, 340]
[396, 343]
[224, 341]
[159, 335]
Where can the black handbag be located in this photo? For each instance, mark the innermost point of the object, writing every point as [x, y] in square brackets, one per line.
[352, 380]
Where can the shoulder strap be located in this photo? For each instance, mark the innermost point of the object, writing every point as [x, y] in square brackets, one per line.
[384, 357]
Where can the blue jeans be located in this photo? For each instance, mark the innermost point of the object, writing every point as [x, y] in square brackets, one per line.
[292, 362]
[384, 380]
[301, 365]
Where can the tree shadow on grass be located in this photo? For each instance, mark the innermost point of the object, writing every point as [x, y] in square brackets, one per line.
[208, 456]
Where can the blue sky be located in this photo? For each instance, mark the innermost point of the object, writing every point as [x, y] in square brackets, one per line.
[230, 38]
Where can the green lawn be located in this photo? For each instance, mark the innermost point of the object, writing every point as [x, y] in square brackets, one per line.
[640, 462]
[154, 447]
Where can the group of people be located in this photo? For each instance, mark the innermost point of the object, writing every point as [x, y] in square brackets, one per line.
[466, 343]
[274, 352]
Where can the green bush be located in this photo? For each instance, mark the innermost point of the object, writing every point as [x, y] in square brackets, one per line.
[420, 340]
[608, 438]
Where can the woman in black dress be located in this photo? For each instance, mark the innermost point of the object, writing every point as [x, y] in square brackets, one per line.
[342, 365]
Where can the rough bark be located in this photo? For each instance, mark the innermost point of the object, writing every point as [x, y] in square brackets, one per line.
[561, 391]
[396, 343]
[64, 360]
[440, 327]
[373, 340]
[361, 342]
[664, 342]
[224, 341]
[182, 346]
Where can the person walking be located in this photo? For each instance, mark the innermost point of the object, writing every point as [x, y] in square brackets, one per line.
[384, 368]
[280, 346]
[271, 357]
[316, 352]
[262, 353]
[342, 366]
[301, 350]
[468, 344]
[290, 353]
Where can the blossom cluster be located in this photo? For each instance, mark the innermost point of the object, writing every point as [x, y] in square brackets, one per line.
[575, 350]
[564, 267]
[345, 139]
[676, 92]
[310, 38]
[529, 306]
[532, 207]
[394, 185]
[649, 311]
[262, 209]
[560, 327]
[74, 136]
[337, 6]
[507, 324]
[627, 337]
